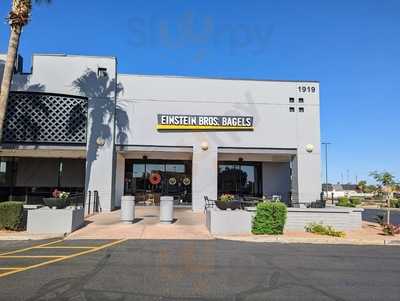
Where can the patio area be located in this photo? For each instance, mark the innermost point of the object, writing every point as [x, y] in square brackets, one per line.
[187, 225]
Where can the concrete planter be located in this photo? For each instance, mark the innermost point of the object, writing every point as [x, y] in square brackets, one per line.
[54, 221]
[166, 209]
[127, 209]
[221, 222]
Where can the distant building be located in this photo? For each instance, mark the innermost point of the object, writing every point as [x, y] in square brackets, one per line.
[343, 190]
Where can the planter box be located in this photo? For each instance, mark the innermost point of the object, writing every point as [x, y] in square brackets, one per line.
[221, 222]
[341, 218]
[228, 222]
[54, 221]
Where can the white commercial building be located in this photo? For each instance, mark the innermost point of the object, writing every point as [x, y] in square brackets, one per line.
[75, 123]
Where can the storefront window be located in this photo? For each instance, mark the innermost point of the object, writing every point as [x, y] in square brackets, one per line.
[32, 179]
[239, 178]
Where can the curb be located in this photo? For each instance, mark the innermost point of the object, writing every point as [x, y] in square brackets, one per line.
[327, 241]
[30, 237]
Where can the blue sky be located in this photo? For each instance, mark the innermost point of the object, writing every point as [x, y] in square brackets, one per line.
[351, 47]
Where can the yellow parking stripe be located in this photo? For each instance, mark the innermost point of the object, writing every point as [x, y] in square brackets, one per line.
[11, 268]
[67, 247]
[30, 256]
[95, 249]
[30, 248]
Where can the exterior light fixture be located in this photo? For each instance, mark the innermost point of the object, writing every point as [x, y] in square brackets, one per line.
[204, 145]
[100, 141]
[309, 148]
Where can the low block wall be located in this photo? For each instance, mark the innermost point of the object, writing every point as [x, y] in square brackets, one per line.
[54, 221]
[228, 222]
[339, 218]
[221, 222]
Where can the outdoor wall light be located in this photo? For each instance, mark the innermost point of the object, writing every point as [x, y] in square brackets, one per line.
[204, 145]
[309, 148]
[100, 141]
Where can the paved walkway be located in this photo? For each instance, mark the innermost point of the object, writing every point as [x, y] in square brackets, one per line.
[188, 225]
[191, 225]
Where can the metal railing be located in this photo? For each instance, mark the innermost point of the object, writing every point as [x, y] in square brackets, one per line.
[92, 204]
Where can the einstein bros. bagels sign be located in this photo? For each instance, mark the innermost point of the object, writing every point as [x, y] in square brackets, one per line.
[204, 122]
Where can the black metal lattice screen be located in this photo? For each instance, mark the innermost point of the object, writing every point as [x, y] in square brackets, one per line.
[45, 118]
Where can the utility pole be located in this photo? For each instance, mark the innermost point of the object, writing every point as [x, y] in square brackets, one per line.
[326, 166]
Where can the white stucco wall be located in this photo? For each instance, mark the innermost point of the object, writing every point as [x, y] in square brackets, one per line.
[78, 75]
[144, 97]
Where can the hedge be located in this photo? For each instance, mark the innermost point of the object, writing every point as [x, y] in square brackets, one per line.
[270, 218]
[346, 202]
[11, 215]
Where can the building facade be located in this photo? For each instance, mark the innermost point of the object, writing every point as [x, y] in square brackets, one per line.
[75, 123]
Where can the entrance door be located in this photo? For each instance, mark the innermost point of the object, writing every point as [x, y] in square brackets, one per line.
[148, 180]
[239, 178]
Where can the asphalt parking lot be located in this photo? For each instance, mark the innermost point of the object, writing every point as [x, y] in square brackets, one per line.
[370, 215]
[204, 270]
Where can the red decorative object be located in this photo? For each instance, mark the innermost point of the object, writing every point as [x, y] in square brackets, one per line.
[155, 179]
[56, 193]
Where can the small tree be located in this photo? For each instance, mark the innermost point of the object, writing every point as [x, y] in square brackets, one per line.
[387, 186]
[362, 185]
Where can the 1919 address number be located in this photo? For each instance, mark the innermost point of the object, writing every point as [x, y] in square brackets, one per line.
[306, 89]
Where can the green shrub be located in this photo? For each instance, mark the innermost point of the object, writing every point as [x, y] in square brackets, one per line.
[346, 202]
[11, 215]
[356, 201]
[319, 228]
[395, 203]
[226, 197]
[270, 218]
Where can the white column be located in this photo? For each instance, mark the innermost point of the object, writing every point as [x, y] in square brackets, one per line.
[119, 179]
[100, 158]
[308, 176]
[204, 175]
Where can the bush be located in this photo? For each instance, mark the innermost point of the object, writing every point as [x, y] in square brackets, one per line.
[390, 229]
[356, 201]
[270, 218]
[346, 202]
[323, 230]
[226, 197]
[395, 203]
[11, 215]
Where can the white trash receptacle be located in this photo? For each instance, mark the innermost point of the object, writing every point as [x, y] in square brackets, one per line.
[166, 209]
[127, 209]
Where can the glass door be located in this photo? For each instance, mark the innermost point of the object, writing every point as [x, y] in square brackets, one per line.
[148, 180]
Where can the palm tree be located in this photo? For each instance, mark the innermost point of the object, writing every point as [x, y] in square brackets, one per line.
[17, 18]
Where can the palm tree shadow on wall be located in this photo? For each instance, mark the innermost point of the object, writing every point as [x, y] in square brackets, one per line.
[102, 111]
[28, 117]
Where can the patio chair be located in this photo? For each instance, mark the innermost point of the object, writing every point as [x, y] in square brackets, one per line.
[208, 203]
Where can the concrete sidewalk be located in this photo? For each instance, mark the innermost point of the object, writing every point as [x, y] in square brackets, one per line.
[188, 225]
[191, 226]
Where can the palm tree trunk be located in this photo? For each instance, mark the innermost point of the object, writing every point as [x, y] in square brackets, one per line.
[8, 73]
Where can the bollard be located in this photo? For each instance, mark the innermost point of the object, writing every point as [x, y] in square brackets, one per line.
[166, 209]
[127, 209]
